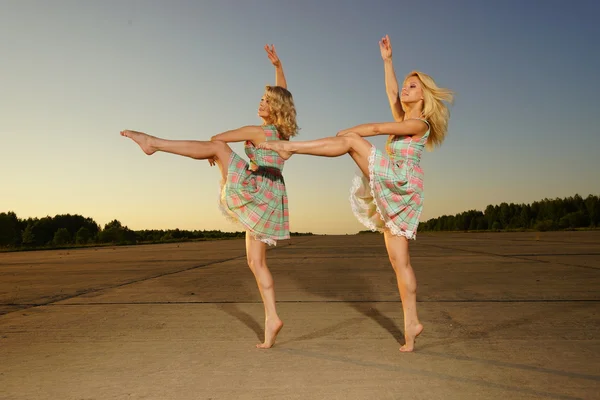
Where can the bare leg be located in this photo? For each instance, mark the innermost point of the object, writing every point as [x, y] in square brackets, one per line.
[257, 261]
[358, 148]
[397, 248]
[199, 150]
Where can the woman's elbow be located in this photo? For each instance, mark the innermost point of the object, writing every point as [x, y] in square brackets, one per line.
[392, 93]
[374, 129]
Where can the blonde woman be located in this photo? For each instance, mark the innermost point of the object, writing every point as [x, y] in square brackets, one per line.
[252, 194]
[387, 195]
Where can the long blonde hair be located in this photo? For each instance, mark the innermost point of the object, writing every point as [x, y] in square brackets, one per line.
[435, 111]
[283, 110]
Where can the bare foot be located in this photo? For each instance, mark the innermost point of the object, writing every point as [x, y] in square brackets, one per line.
[143, 140]
[272, 328]
[277, 146]
[410, 336]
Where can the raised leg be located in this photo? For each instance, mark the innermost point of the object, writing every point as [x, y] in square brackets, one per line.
[358, 148]
[199, 150]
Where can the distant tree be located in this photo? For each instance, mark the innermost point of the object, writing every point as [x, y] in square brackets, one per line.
[525, 217]
[83, 235]
[28, 235]
[578, 204]
[504, 214]
[577, 219]
[113, 224]
[156, 235]
[10, 234]
[74, 222]
[490, 215]
[515, 222]
[179, 234]
[43, 231]
[481, 224]
[167, 237]
[473, 224]
[545, 225]
[115, 232]
[534, 210]
[61, 237]
[592, 206]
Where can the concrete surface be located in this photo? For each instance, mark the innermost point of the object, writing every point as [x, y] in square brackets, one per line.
[506, 316]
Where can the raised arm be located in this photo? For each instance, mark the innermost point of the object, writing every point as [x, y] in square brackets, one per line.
[391, 83]
[410, 127]
[279, 75]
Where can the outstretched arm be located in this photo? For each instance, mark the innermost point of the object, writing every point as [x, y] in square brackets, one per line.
[279, 75]
[411, 127]
[391, 83]
[253, 133]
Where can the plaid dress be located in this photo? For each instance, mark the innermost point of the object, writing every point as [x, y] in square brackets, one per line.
[254, 194]
[392, 196]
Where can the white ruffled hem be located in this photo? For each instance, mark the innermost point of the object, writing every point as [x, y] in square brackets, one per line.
[360, 208]
[231, 218]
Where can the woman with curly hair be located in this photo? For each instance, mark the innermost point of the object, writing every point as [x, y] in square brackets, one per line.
[252, 194]
[387, 194]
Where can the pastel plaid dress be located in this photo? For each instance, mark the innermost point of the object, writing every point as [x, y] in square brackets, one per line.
[392, 196]
[254, 193]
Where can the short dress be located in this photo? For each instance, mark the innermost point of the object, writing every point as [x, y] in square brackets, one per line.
[254, 194]
[391, 197]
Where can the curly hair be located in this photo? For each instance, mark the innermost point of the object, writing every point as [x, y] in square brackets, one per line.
[283, 111]
[435, 111]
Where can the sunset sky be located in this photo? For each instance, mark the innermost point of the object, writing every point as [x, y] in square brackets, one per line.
[75, 73]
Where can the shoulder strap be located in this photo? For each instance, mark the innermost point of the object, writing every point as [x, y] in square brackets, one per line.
[427, 122]
[428, 127]
[426, 135]
[270, 132]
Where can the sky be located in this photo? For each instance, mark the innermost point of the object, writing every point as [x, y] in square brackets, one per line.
[73, 74]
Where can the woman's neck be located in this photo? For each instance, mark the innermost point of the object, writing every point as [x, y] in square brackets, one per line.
[413, 113]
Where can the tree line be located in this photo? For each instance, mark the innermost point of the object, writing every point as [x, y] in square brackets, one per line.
[75, 230]
[545, 215]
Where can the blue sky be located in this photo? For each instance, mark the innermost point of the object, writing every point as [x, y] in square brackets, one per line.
[75, 73]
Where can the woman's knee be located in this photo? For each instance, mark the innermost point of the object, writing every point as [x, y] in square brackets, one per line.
[399, 260]
[399, 263]
[255, 263]
[358, 143]
[352, 138]
[351, 135]
[222, 150]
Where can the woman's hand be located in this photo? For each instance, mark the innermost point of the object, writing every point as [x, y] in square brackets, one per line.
[385, 46]
[272, 54]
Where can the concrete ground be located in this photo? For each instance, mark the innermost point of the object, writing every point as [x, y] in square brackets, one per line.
[506, 315]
